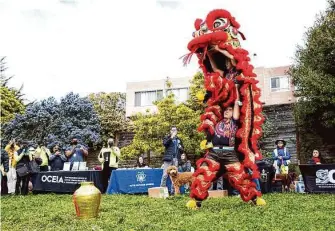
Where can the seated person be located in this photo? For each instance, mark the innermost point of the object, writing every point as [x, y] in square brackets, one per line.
[185, 164]
[140, 162]
[57, 159]
[316, 159]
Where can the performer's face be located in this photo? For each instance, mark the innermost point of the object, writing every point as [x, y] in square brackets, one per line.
[228, 113]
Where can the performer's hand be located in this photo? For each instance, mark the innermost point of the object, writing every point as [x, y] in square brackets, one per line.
[280, 157]
[237, 92]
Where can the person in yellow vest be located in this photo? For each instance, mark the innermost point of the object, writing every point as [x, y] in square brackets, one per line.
[11, 148]
[43, 153]
[109, 158]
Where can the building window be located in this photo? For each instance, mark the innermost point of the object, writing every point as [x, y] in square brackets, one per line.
[280, 84]
[180, 94]
[146, 98]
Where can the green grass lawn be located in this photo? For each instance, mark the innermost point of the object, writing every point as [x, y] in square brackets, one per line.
[125, 212]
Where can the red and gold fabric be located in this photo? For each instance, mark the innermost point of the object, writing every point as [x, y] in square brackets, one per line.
[225, 65]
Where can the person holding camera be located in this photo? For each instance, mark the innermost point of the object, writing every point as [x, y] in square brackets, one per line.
[172, 156]
[76, 152]
[109, 159]
[43, 152]
[57, 159]
[22, 157]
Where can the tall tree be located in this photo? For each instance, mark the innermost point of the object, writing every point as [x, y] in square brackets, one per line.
[111, 110]
[11, 98]
[151, 128]
[314, 74]
[50, 121]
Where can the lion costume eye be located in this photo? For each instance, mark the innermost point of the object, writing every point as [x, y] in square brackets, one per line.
[221, 23]
[233, 32]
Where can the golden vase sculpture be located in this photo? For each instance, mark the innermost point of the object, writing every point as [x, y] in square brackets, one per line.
[86, 200]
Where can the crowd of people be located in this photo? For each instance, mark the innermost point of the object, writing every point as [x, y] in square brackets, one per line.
[21, 161]
[175, 155]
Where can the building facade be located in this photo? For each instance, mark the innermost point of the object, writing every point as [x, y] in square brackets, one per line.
[275, 85]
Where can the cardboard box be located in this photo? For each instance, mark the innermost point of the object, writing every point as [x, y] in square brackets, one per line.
[158, 192]
[217, 193]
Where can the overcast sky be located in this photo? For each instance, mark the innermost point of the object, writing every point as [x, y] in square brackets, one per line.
[57, 46]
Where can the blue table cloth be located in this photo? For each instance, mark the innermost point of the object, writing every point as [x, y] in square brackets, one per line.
[136, 181]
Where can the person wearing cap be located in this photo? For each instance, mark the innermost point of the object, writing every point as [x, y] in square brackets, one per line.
[281, 157]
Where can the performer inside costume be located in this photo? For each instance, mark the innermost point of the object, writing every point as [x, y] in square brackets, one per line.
[230, 130]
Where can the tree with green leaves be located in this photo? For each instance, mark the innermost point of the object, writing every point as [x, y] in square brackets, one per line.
[53, 121]
[314, 74]
[110, 108]
[196, 87]
[151, 128]
[11, 98]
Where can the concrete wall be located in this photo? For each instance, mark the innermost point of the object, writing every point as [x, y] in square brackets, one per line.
[269, 97]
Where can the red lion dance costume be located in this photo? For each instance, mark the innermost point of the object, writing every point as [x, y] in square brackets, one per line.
[233, 109]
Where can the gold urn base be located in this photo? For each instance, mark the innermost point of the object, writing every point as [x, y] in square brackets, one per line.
[87, 200]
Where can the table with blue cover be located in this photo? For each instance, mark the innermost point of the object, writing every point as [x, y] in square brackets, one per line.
[136, 181]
